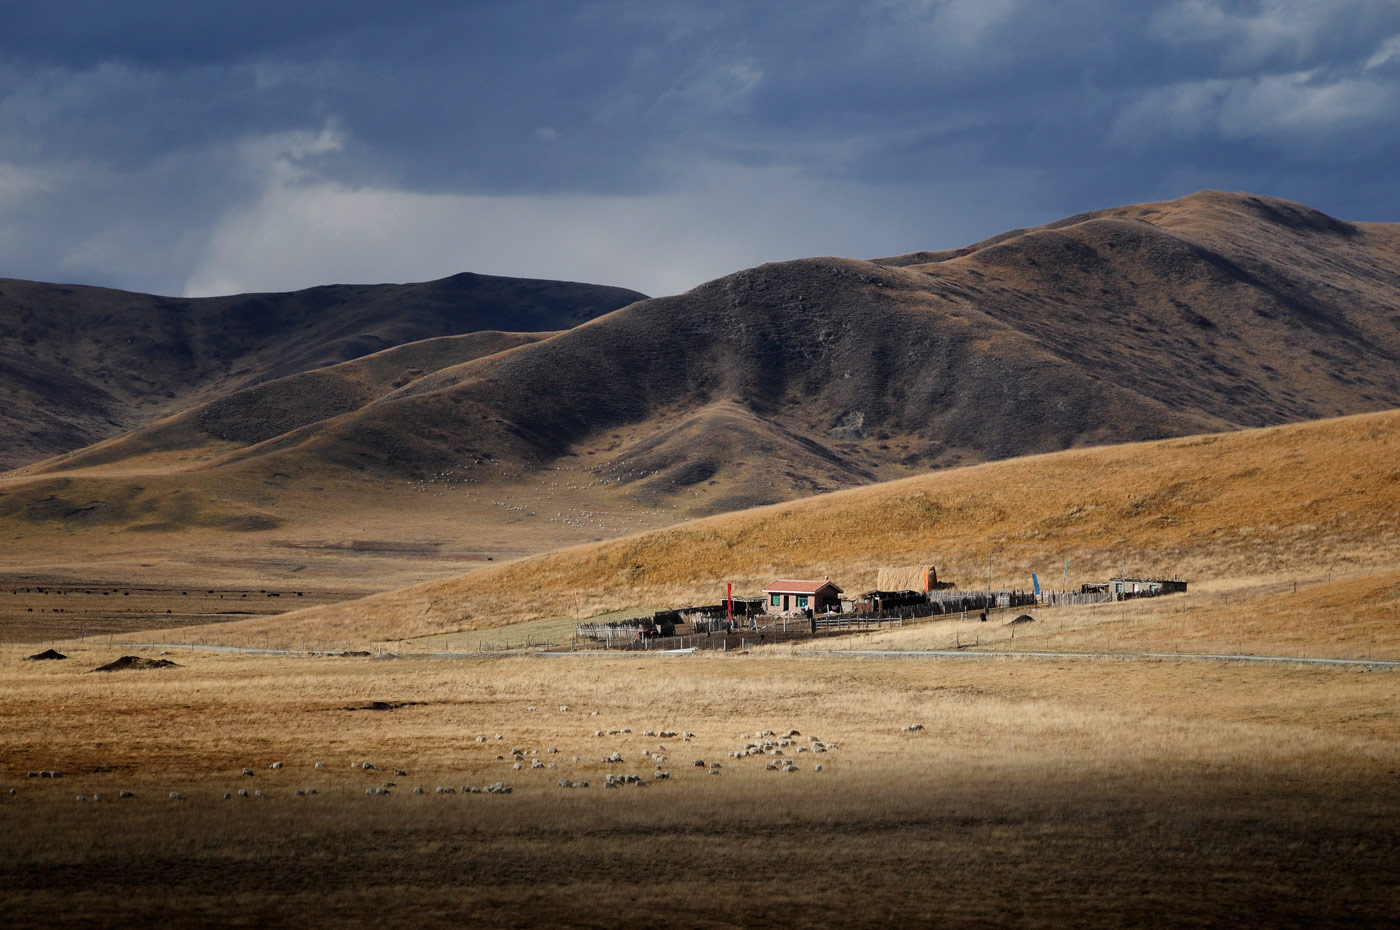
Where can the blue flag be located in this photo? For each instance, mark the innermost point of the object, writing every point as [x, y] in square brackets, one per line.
[1035, 582]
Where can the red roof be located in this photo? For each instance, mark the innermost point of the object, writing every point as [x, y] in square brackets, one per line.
[782, 586]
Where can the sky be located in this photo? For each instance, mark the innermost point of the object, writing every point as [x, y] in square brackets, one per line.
[192, 149]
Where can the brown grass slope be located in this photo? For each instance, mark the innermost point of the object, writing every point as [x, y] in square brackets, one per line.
[213, 430]
[81, 364]
[1210, 312]
[1307, 497]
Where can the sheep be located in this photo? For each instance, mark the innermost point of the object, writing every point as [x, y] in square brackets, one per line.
[369, 766]
[615, 757]
[563, 708]
[648, 732]
[516, 767]
[176, 796]
[126, 794]
[417, 789]
[536, 764]
[499, 788]
[97, 797]
[259, 794]
[275, 765]
[446, 789]
[791, 733]
[597, 732]
[401, 772]
[687, 735]
[699, 763]
[320, 765]
[80, 798]
[310, 791]
[575, 760]
[481, 739]
[354, 765]
[818, 767]
[659, 775]
[300, 792]
[531, 708]
[228, 796]
[243, 792]
[912, 728]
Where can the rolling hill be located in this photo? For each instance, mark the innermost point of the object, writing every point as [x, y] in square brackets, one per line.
[1205, 314]
[1304, 499]
[81, 364]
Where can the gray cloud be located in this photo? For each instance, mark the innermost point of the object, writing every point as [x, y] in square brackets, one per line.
[653, 144]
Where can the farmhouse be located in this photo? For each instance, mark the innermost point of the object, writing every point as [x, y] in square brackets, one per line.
[785, 596]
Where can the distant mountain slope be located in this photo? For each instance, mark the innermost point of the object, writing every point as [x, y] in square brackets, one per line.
[80, 364]
[1208, 313]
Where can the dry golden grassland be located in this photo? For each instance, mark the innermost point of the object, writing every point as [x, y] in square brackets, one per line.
[1040, 793]
[1296, 501]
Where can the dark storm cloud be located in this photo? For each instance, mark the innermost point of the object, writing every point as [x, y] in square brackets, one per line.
[148, 145]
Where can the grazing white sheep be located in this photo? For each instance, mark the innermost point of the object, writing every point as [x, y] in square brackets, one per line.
[243, 792]
[563, 708]
[81, 797]
[122, 794]
[912, 728]
[536, 764]
[228, 796]
[417, 789]
[248, 772]
[275, 765]
[369, 766]
[259, 794]
[320, 765]
[818, 767]
[176, 796]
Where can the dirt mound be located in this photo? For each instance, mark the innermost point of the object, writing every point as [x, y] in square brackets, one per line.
[1024, 618]
[383, 705]
[128, 662]
[46, 654]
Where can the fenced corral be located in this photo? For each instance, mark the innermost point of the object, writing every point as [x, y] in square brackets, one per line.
[712, 626]
[1074, 598]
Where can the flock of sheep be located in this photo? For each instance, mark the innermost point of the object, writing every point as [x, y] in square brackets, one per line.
[778, 751]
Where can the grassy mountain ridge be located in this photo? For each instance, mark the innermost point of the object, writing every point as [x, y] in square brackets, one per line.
[84, 363]
[1211, 312]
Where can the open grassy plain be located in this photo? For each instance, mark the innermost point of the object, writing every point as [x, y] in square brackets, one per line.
[1038, 793]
